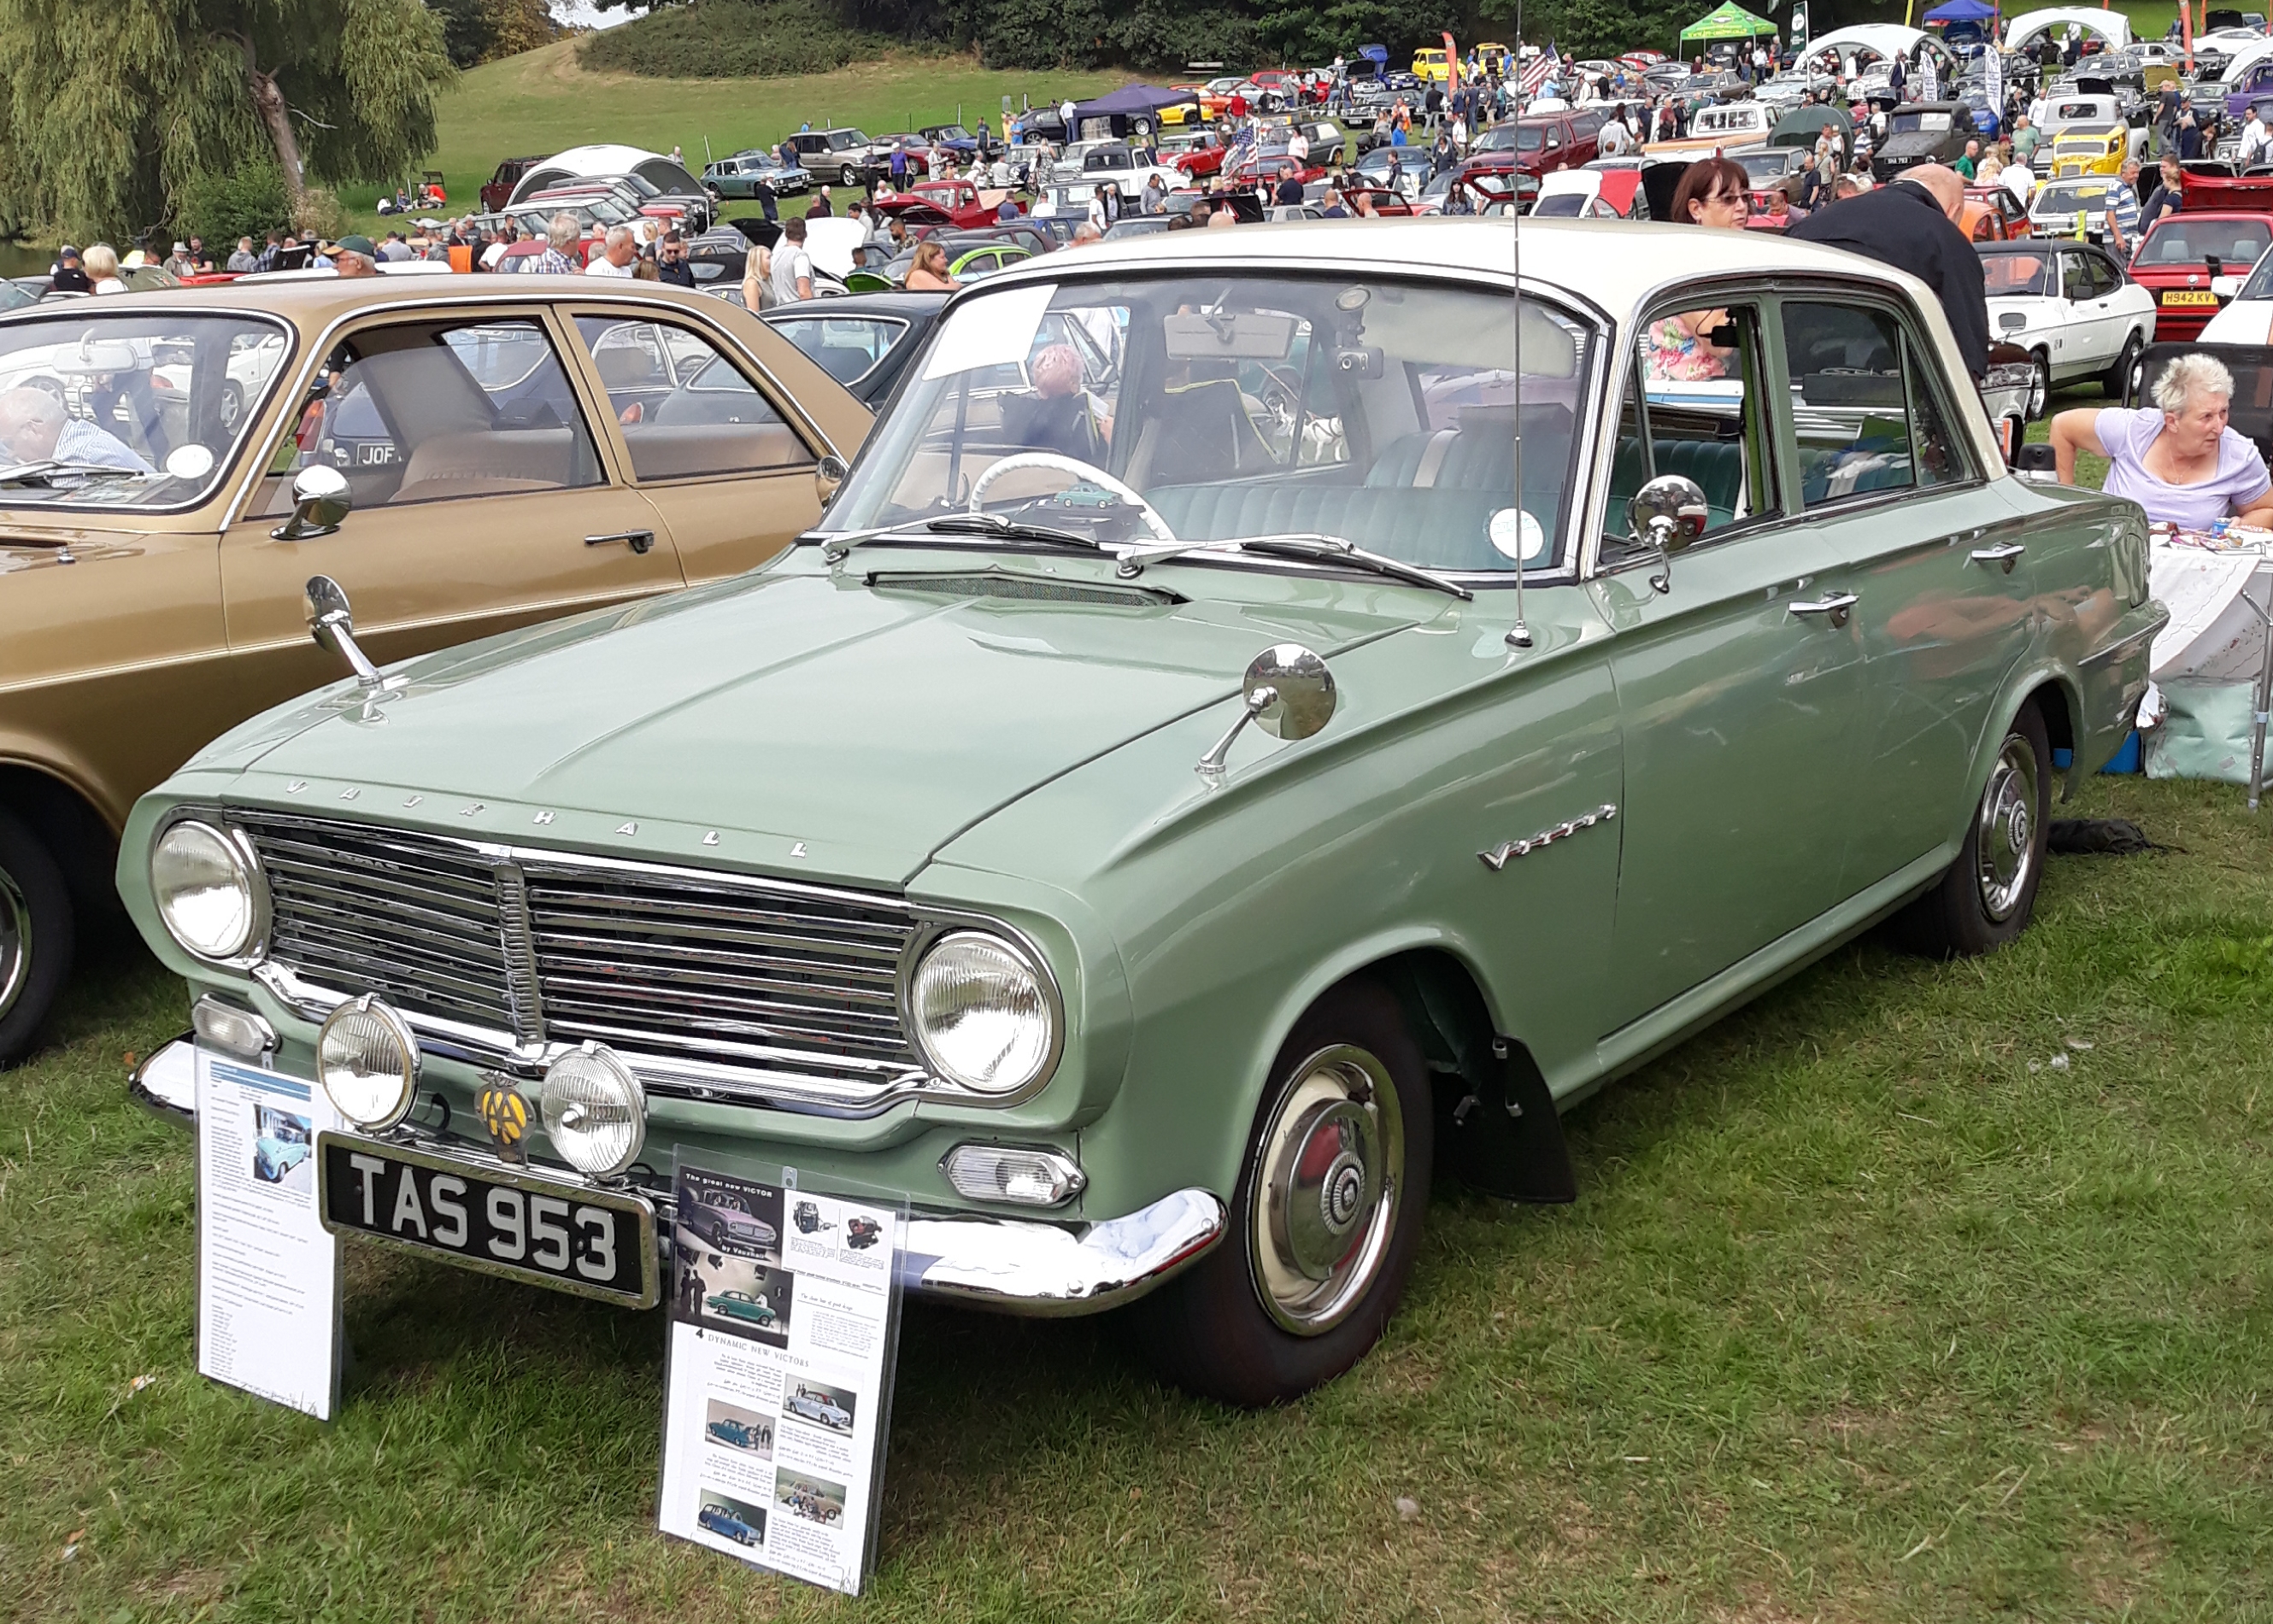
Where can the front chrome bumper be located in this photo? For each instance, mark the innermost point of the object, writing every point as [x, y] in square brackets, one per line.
[1010, 1265]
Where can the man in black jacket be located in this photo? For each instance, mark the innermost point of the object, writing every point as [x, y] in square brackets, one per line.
[1911, 224]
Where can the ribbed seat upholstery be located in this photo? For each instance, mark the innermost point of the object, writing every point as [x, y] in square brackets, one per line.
[1717, 466]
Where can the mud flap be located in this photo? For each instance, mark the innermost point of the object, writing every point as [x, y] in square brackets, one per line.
[1503, 1137]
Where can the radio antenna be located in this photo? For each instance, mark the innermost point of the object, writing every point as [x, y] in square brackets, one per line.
[1518, 635]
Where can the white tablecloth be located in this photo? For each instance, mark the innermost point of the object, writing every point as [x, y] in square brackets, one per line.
[2212, 636]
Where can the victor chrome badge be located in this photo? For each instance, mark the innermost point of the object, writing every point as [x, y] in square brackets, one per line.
[505, 1113]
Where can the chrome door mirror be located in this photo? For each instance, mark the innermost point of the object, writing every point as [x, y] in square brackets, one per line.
[828, 474]
[1665, 516]
[1289, 695]
[331, 623]
[320, 501]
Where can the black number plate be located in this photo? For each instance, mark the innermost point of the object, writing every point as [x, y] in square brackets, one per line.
[497, 1220]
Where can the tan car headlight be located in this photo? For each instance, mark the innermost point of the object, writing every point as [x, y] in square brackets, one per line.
[368, 1062]
[983, 1012]
[595, 1111]
[207, 889]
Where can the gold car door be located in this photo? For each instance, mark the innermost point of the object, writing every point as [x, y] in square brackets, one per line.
[728, 477]
[481, 500]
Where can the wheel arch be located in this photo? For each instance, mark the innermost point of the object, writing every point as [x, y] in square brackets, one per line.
[71, 824]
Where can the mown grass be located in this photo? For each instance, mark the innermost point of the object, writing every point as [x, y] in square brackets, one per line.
[1916, 1291]
[543, 102]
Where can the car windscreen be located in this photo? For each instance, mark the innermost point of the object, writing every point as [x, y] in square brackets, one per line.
[123, 409]
[1239, 404]
[1529, 138]
[1562, 206]
[1920, 124]
[2005, 276]
[2180, 241]
[2069, 199]
[1760, 167]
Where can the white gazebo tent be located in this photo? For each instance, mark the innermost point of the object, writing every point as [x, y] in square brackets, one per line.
[1882, 42]
[2109, 24]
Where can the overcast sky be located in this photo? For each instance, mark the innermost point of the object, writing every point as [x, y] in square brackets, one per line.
[583, 14]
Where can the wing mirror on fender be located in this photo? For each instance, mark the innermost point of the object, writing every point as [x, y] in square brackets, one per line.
[320, 501]
[828, 475]
[1666, 516]
[1290, 695]
[331, 623]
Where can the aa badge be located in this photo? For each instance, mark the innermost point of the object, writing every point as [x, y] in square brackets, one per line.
[505, 1113]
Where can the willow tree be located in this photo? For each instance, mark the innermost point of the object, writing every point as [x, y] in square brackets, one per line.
[109, 109]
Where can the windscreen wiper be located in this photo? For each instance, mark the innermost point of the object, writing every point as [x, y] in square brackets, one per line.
[834, 549]
[1305, 544]
[50, 468]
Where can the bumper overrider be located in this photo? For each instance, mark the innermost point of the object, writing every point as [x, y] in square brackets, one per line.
[1010, 1265]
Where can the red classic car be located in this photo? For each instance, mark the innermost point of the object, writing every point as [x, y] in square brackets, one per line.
[958, 200]
[2181, 255]
[1199, 154]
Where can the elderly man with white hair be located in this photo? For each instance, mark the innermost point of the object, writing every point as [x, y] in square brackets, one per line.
[2180, 458]
[618, 258]
[35, 428]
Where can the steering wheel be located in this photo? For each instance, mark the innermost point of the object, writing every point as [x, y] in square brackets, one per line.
[1080, 470]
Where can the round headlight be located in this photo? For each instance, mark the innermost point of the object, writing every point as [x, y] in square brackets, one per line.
[595, 1111]
[368, 1062]
[206, 889]
[983, 1012]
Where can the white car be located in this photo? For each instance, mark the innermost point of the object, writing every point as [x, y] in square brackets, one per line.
[2247, 318]
[2072, 308]
[812, 1407]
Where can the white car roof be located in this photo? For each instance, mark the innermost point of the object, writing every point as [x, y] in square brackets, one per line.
[602, 159]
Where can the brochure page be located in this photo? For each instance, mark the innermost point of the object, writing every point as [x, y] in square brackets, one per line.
[782, 1321]
[268, 1272]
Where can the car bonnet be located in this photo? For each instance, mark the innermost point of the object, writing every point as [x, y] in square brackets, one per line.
[871, 722]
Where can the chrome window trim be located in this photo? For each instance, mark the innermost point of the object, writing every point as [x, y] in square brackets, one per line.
[527, 1053]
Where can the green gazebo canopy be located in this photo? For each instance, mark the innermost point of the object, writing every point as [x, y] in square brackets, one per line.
[1731, 21]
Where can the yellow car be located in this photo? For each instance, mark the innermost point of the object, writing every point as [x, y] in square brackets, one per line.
[1432, 65]
[1492, 56]
[1185, 112]
[2089, 149]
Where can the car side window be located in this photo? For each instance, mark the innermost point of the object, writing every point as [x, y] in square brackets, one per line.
[1864, 410]
[847, 347]
[429, 410]
[684, 406]
[1695, 406]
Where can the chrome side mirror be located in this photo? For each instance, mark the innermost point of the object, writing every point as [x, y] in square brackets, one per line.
[1290, 695]
[1665, 516]
[320, 501]
[828, 475]
[331, 623]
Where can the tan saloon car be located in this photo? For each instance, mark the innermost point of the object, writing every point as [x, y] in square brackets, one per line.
[175, 466]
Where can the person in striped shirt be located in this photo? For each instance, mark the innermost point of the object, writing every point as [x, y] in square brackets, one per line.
[2122, 215]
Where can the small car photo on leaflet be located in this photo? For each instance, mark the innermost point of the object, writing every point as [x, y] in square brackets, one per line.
[816, 1500]
[280, 1148]
[732, 1519]
[824, 1406]
[733, 1427]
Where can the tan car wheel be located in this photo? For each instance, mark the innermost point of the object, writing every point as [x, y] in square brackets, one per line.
[1325, 1223]
[36, 936]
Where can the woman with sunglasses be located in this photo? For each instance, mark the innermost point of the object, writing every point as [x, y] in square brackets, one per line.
[1715, 192]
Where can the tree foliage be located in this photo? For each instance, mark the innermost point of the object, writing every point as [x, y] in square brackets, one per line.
[109, 111]
[478, 31]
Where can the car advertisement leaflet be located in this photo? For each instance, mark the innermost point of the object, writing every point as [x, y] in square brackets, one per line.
[268, 1272]
[783, 1333]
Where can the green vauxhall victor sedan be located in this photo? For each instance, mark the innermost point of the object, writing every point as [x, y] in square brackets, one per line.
[1269, 718]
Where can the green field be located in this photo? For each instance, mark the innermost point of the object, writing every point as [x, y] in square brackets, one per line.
[1917, 1292]
[541, 102]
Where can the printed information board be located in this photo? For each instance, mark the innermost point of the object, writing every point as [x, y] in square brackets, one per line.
[785, 1318]
[268, 1272]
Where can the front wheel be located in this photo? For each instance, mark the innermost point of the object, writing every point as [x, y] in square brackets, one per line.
[2040, 384]
[2121, 383]
[37, 936]
[1985, 899]
[1327, 1219]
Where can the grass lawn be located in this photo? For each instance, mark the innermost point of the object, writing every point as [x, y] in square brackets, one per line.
[542, 102]
[1917, 1290]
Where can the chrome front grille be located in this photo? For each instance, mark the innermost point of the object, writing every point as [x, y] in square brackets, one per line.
[710, 984]
[359, 909]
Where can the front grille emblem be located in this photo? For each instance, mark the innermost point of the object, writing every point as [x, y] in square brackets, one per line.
[504, 1113]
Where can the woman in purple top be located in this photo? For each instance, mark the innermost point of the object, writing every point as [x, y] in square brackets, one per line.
[2177, 460]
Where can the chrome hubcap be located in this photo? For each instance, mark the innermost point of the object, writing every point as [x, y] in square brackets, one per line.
[2006, 839]
[15, 942]
[2040, 391]
[1327, 1174]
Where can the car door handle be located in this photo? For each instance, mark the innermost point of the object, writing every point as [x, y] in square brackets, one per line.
[640, 541]
[1834, 609]
[2008, 555]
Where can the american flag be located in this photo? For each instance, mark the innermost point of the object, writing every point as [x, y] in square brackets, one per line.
[1536, 72]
